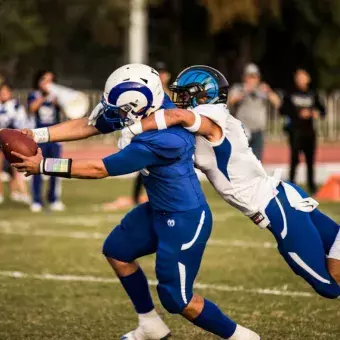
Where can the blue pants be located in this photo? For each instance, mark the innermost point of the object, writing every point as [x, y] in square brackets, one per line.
[304, 240]
[178, 239]
[52, 150]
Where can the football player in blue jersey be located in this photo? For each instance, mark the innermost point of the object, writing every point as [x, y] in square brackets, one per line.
[175, 224]
[46, 111]
[308, 240]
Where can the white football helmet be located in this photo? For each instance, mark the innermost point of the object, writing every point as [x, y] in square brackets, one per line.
[131, 93]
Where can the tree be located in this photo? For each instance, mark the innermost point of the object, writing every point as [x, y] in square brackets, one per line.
[242, 25]
[318, 30]
[224, 13]
[21, 31]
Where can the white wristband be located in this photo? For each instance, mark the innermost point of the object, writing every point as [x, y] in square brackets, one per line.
[41, 135]
[136, 128]
[160, 120]
[41, 166]
[198, 121]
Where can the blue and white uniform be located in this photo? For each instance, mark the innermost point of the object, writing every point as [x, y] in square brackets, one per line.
[305, 236]
[13, 115]
[47, 115]
[175, 224]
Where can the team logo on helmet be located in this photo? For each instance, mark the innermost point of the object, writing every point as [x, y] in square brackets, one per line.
[131, 93]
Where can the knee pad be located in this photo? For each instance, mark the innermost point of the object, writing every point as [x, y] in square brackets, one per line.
[171, 298]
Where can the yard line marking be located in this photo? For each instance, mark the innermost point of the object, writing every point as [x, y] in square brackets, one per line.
[198, 285]
[100, 236]
[91, 221]
[243, 244]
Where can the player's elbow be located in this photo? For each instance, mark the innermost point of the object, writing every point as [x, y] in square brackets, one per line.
[99, 171]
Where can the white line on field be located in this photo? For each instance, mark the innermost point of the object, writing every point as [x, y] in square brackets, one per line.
[100, 236]
[90, 221]
[198, 285]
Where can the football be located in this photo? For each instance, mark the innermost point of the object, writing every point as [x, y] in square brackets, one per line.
[14, 140]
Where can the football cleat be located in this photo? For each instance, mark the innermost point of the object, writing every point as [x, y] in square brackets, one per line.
[151, 327]
[137, 335]
[242, 333]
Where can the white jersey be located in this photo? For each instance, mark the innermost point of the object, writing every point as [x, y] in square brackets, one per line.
[13, 115]
[230, 165]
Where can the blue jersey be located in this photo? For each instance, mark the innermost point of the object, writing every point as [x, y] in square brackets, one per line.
[48, 114]
[169, 177]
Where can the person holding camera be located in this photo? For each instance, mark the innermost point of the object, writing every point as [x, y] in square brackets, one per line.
[249, 103]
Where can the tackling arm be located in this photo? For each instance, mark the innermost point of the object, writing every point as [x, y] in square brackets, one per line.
[186, 118]
[72, 130]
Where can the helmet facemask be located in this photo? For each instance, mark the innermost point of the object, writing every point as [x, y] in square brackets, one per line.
[198, 85]
[189, 96]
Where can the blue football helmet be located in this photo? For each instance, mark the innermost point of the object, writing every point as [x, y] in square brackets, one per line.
[199, 85]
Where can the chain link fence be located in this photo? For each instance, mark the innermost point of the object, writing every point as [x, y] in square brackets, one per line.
[328, 128]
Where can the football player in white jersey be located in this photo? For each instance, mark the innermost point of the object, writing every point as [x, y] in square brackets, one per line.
[308, 240]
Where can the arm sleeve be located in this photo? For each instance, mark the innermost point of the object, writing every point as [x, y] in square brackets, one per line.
[133, 158]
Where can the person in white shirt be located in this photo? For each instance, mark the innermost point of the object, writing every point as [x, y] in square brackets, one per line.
[249, 102]
[13, 115]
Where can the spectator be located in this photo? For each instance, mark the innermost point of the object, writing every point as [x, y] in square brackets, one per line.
[301, 107]
[249, 102]
[46, 111]
[14, 116]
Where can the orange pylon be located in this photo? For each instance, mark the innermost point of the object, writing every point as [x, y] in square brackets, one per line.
[330, 191]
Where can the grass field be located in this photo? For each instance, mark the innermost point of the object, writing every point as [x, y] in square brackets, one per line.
[55, 284]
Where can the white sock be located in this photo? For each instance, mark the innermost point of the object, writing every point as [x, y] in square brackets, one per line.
[148, 316]
[152, 325]
[242, 333]
[334, 253]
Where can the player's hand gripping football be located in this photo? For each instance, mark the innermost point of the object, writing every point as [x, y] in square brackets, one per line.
[29, 165]
[27, 132]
